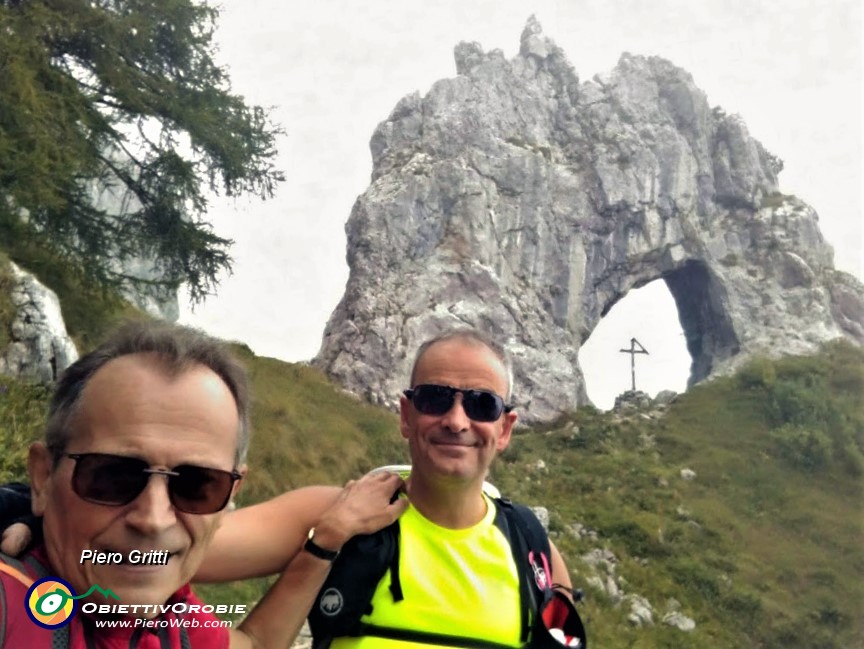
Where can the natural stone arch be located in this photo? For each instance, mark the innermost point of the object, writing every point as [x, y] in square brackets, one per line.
[515, 199]
[647, 313]
[701, 305]
[702, 310]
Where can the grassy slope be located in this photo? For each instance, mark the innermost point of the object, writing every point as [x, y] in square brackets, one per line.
[761, 549]
[306, 431]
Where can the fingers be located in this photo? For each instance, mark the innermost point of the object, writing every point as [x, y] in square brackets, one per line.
[364, 506]
[389, 480]
[381, 476]
[398, 507]
[375, 481]
[15, 539]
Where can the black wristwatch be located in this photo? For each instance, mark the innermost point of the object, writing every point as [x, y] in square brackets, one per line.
[316, 550]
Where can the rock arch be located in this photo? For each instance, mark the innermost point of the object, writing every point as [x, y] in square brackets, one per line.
[708, 327]
[516, 199]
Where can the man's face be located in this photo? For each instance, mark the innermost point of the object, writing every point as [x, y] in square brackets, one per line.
[131, 407]
[451, 447]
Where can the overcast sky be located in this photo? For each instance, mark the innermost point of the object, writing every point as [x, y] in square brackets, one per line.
[332, 70]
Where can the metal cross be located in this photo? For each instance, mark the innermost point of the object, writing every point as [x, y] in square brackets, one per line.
[633, 351]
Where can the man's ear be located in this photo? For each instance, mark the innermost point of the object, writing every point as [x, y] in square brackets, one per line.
[506, 429]
[40, 467]
[404, 413]
[243, 469]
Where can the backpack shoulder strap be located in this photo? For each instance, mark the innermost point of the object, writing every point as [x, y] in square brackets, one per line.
[548, 606]
[17, 570]
[528, 524]
[529, 545]
[347, 592]
[16, 574]
[28, 565]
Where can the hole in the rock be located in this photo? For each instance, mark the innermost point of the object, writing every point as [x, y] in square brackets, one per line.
[649, 315]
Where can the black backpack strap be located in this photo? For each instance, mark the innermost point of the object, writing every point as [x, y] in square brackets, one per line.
[539, 549]
[527, 539]
[427, 637]
[529, 526]
[347, 592]
[185, 642]
[534, 561]
[395, 581]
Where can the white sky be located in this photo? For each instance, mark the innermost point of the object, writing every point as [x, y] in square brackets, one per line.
[332, 70]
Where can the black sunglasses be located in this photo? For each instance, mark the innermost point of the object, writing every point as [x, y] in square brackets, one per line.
[479, 405]
[117, 480]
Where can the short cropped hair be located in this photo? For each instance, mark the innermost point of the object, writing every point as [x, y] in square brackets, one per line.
[177, 348]
[471, 337]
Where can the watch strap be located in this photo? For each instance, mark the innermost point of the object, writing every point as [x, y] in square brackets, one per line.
[316, 550]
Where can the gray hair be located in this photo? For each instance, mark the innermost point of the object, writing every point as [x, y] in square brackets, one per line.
[471, 337]
[177, 348]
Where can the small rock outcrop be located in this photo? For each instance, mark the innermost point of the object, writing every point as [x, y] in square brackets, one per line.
[679, 621]
[519, 200]
[39, 347]
[632, 400]
[641, 611]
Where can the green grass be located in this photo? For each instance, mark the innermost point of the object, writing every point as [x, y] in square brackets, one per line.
[761, 549]
[305, 431]
[7, 308]
[22, 411]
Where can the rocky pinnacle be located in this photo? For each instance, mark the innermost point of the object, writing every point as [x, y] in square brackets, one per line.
[517, 199]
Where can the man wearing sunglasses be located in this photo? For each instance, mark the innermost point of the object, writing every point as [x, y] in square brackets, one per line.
[457, 575]
[144, 447]
[456, 419]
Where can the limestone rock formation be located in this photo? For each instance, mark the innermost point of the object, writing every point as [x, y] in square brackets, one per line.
[40, 348]
[519, 200]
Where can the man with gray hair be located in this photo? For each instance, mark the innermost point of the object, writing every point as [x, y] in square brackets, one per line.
[144, 448]
[457, 576]
[460, 578]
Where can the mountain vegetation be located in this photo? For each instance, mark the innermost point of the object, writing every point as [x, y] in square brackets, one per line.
[739, 505]
[125, 98]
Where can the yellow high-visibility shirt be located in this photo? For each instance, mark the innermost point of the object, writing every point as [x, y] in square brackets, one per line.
[455, 582]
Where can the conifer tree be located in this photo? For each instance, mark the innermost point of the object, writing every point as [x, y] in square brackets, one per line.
[123, 94]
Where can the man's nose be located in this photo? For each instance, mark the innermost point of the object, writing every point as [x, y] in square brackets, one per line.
[455, 420]
[152, 512]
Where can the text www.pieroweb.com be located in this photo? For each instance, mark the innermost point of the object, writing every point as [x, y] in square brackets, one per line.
[164, 624]
[159, 623]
